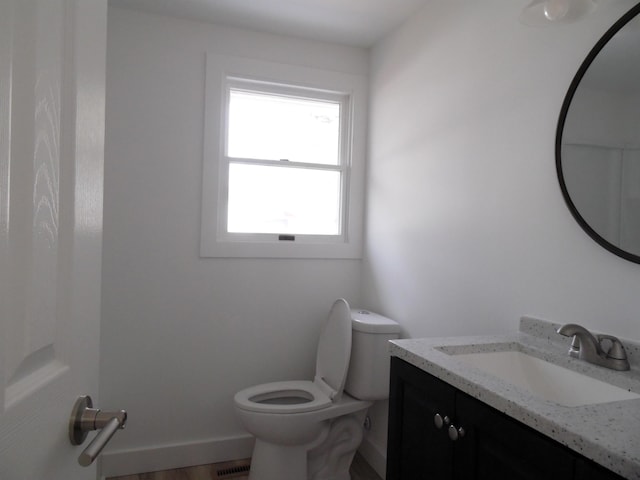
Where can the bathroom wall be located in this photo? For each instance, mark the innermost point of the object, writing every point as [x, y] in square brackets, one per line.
[467, 227]
[181, 334]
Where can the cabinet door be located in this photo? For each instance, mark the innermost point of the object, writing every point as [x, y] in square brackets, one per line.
[496, 446]
[588, 470]
[416, 448]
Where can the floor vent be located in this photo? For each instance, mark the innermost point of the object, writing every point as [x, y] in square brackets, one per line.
[233, 471]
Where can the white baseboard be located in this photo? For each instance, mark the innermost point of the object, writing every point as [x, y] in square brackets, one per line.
[166, 457]
[374, 457]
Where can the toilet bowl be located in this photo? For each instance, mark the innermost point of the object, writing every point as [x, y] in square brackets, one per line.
[311, 429]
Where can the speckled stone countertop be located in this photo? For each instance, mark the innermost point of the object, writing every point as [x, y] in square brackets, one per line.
[608, 433]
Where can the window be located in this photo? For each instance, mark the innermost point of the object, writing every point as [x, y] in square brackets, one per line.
[283, 162]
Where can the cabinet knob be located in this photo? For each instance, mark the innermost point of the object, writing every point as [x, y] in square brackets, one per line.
[455, 433]
[439, 421]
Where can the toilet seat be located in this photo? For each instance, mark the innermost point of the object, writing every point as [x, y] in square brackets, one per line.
[283, 397]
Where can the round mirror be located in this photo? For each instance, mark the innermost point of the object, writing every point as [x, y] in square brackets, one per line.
[598, 140]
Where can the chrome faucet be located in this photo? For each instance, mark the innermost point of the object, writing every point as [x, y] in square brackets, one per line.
[588, 347]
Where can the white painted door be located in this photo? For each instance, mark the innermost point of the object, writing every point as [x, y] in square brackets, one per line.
[52, 60]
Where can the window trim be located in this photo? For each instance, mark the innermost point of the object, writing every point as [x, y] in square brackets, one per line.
[225, 71]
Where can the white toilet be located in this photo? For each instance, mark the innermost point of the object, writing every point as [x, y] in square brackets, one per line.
[310, 430]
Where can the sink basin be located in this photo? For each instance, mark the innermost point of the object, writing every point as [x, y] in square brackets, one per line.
[546, 380]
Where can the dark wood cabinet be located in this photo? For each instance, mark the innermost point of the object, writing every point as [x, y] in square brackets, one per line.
[425, 413]
[588, 470]
[418, 447]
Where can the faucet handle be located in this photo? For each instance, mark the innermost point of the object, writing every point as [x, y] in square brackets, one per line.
[574, 349]
[616, 350]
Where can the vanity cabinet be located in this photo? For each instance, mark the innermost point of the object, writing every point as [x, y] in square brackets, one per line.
[438, 432]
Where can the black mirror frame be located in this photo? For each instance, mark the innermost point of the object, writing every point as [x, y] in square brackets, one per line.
[563, 116]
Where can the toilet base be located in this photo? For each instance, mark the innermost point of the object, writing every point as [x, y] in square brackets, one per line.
[278, 462]
[327, 458]
[332, 458]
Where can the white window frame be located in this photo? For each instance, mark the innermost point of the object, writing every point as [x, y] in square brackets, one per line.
[225, 72]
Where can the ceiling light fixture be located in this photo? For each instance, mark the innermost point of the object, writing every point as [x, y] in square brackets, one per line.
[549, 12]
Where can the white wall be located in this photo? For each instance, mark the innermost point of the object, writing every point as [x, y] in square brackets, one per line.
[181, 334]
[467, 227]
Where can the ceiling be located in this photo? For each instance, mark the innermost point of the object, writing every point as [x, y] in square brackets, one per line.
[349, 22]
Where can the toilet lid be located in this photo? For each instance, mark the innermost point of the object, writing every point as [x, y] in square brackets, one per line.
[334, 350]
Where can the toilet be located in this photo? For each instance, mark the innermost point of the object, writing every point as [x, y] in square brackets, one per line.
[310, 430]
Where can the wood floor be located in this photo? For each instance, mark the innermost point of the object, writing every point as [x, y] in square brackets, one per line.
[360, 470]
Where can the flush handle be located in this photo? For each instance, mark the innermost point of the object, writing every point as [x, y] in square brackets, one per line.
[84, 418]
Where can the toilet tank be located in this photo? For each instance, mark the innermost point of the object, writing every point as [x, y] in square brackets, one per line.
[368, 375]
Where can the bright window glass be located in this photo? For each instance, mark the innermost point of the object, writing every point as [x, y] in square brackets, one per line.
[277, 127]
[283, 167]
[281, 200]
